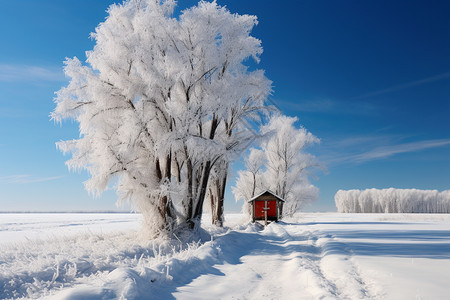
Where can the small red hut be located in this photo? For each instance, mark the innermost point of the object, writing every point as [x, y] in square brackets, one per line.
[266, 206]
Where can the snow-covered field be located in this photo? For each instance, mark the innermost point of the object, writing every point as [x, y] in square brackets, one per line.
[313, 256]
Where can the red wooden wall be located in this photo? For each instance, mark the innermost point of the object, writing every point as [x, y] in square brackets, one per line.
[271, 204]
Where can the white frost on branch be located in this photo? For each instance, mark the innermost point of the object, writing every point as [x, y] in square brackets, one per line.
[281, 165]
[393, 201]
[160, 102]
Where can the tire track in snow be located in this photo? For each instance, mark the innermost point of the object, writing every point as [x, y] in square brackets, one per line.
[295, 261]
[313, 279]
[339, 266]
[281, 262]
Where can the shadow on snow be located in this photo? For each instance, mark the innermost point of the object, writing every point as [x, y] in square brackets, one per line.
[232, 247]
[432, 244]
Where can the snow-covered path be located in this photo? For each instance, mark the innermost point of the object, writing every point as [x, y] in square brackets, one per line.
[314, 256]
[332, 256]
[282, 262]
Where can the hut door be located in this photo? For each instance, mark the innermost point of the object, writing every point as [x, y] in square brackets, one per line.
[265, 209]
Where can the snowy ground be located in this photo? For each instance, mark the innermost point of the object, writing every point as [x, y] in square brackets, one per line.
[21, 227]
[314, 256]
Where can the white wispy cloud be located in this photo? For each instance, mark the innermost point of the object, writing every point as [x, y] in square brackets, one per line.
[358, 150]
[332, 107]
[26, 178]
[404, 86]
[387, 151]
[27, 73]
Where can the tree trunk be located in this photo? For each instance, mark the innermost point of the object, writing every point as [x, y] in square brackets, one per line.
[163, 201]
[201, 177]
[190, 200]
[212, 200]
[217, 213]
[166, 209]
[170, 213]
[201, 194]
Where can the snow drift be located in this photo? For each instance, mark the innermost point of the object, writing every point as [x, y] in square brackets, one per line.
[393, 201]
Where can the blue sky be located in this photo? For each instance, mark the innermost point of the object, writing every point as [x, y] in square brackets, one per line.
[371, 79]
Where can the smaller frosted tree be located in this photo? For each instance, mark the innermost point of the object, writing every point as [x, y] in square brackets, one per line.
[249, 182]
[280, 165]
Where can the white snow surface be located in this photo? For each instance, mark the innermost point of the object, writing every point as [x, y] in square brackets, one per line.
[311, 256]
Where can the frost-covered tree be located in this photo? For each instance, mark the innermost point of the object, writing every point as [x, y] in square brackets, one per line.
[160, 102]
[249, 182]
[280, 165]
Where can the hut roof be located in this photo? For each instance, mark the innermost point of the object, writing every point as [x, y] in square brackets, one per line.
[266, 192]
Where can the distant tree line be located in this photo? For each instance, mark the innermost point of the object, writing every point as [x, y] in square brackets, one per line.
[393, 201]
